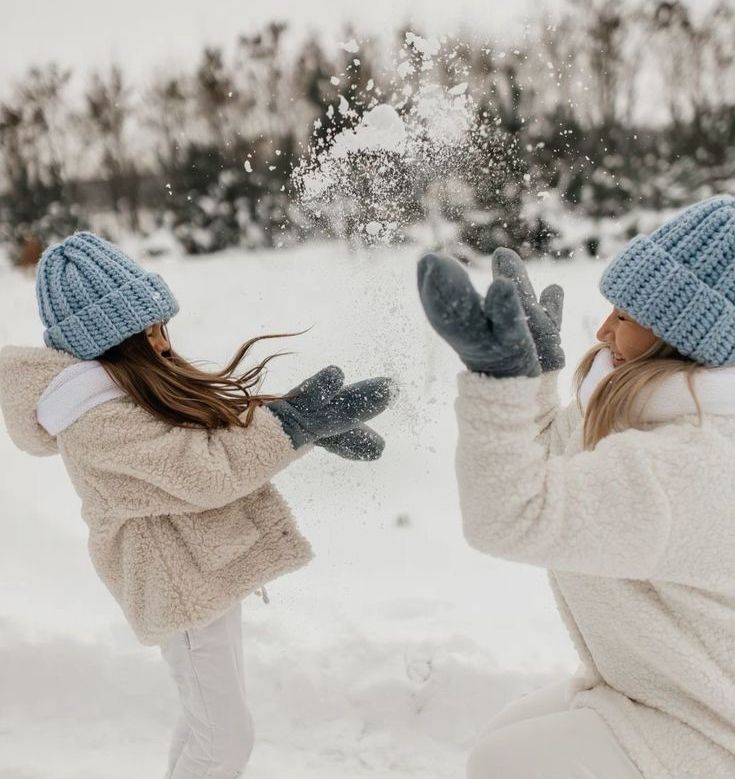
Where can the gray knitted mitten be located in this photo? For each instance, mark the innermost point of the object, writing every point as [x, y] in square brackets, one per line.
[324, 412]
[491, 336]
[360, 443]
[543, 315]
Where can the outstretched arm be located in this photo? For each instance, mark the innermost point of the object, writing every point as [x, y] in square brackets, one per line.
[210, 468]
[201, 468]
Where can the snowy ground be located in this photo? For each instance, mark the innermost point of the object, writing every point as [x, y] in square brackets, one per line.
[385, 656]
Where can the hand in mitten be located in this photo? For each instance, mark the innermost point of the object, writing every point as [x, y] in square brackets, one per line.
[360, 443]
[543, 315]
[323, 411]
[491, 336]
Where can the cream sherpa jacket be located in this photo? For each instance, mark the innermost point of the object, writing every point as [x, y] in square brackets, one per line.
[182, 521]
[639, 539]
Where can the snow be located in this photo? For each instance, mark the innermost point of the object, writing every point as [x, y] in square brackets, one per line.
[380, 128]
[428, 47]
[386, 655]
[344, 106]
[351, 46]
[404, 145]
[445, 115]
[405, 69]
[419, 133]
[459, 89]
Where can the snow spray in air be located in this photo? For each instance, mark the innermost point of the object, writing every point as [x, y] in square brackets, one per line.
[416, 144]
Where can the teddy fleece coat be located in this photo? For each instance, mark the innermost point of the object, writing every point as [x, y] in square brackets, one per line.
[638, 535]
[182, 520]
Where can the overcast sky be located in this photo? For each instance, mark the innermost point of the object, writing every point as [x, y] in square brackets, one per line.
[146, 34]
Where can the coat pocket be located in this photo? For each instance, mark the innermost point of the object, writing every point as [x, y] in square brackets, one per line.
[216, 537]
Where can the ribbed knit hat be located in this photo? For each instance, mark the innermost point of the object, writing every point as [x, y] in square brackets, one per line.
[92, 296]
[680, 281]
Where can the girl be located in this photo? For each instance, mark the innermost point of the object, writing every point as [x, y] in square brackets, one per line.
[625, 494]
[173, 466]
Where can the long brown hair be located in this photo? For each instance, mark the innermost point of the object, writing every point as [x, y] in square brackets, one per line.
[176, 391]
[612, 404]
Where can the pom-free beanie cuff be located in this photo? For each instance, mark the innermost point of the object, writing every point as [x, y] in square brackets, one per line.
[680, 281]
[94, 329]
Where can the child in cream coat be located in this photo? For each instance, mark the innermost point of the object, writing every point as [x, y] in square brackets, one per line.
[626, 495]
[173, 466]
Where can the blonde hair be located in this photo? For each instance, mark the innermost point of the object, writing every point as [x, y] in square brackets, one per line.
[611, 406]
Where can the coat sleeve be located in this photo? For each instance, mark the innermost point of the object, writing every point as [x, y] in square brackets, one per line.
[554, 422]
[203, 468]
[636, 506]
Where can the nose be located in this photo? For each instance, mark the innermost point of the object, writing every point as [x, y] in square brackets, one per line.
[605, 332]
[160, 343]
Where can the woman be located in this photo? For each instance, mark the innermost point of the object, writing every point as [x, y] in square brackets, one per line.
[626, 496]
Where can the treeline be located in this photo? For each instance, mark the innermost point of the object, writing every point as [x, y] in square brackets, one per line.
[610, 104]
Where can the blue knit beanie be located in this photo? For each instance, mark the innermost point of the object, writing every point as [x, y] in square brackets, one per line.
[92, 296]
[680, 281]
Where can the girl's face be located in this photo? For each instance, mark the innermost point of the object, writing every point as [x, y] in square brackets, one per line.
[625, 337]
[157, 338]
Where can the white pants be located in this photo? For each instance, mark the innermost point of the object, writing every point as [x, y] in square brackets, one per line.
[214, 735]
[540, 737]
